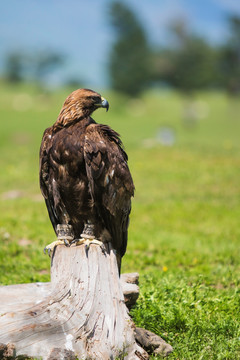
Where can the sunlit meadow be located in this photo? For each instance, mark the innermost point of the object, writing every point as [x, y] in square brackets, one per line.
[184, 235]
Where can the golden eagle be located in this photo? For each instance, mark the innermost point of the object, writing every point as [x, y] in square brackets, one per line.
[84, 176]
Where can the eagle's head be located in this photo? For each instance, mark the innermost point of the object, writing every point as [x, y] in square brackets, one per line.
[80, 104]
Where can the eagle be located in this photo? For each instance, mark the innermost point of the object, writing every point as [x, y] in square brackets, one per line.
[84, 176]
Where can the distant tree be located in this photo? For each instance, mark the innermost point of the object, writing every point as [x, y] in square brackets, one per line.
[190, 64]
[129, 59]
[22, 66]
[45, 62]
[230, 58]
[14, 67]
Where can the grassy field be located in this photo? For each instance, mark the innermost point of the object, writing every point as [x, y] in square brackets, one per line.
[184, 236]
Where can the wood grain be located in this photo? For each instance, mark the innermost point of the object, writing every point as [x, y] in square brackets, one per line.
[81, 311]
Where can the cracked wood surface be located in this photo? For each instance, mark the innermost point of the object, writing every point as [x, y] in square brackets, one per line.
[82, 310]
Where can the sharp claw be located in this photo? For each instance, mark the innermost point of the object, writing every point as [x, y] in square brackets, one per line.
[50, 248]
[87, 242]
[47, 250]
[66, 242]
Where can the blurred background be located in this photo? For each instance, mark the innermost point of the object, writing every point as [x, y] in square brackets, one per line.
[129, 46]
[170, 70]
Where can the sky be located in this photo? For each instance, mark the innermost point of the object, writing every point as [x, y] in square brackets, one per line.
[81, 30]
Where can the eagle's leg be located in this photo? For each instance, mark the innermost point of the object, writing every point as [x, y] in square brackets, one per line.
[87, 236]
[64, 235]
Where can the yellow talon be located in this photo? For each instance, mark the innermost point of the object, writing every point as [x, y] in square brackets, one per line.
[87, 242]
[50, 247]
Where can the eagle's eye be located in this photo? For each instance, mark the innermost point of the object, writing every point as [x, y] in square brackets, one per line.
[96, 99]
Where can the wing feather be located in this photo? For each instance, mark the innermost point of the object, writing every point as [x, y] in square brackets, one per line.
[44, 177]
[111, 184]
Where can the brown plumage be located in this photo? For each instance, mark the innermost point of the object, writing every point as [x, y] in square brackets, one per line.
[84, 176]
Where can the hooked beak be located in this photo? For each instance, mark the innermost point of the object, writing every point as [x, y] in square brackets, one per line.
[105, 103]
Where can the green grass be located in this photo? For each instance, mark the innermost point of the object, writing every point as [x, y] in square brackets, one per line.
[184, 232]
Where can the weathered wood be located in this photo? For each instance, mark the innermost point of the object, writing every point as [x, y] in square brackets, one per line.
[152, 342]
[81, 312]
[84, 314]
[129, 283]
[14, 296]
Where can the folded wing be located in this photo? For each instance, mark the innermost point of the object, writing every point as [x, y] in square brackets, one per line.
[110, 181]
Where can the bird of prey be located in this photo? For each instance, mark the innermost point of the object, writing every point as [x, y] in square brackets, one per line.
[84, 176]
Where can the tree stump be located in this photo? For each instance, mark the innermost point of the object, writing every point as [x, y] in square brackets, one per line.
[81, 313]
